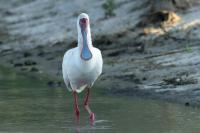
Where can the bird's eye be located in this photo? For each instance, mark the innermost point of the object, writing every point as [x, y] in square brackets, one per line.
[83, 21]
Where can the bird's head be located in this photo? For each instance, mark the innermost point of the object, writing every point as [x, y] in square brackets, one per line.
[83, 21]
[84, 36]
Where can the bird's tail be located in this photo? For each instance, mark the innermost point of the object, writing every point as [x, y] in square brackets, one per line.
[80, 89]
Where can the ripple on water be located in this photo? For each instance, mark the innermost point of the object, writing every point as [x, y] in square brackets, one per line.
[27, 105]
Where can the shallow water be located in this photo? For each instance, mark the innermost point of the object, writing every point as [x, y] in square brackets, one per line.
[28, 105]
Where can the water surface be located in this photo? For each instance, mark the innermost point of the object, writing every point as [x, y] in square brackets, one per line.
[28, 105]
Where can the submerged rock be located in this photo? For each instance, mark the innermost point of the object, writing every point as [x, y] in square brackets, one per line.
[34, 69]
[27, 54]
[18, 65]
[29, 63]
[54, 83]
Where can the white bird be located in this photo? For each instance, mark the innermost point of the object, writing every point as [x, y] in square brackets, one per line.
[82, 65]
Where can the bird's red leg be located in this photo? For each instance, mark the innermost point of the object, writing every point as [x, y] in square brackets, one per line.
[76, 109]
[86, 104]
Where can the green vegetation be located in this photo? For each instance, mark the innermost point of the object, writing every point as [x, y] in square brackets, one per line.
[108, 7]
[188, 49]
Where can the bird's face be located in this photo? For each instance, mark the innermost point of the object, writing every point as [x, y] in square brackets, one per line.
[83, 22]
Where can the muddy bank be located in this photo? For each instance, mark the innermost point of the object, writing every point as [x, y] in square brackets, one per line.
[152, 62]
[166, 69]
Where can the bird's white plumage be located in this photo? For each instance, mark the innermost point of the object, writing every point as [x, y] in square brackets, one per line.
[78, 73]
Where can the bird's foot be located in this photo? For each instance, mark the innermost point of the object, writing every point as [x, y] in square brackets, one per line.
[77, 114]
[92, 118]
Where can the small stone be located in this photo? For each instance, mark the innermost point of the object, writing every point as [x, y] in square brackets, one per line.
[144, 78]
[140, 48]
[41, 54]
[29, 63]
[187, 104]
[59, 84]
[24, 69]
[50, 58]
[51, 83]
[54, 83]
[27, 54]
[8, 13]
[34, 69]
[178, 80]
[18, 65]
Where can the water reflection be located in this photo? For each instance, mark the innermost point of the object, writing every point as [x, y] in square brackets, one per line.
[27, 105]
